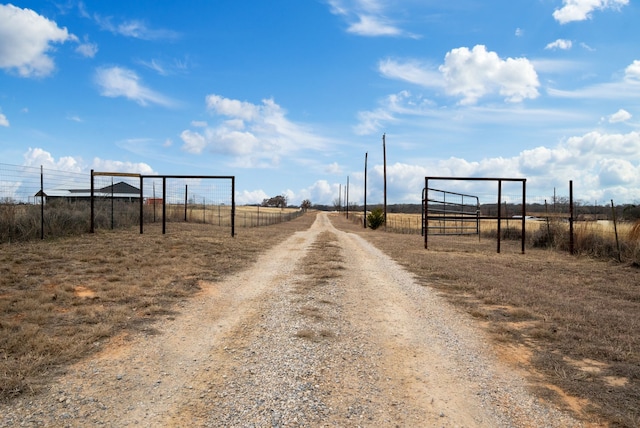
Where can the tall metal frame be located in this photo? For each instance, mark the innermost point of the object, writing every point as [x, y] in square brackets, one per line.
[164, 192]
[498, 217]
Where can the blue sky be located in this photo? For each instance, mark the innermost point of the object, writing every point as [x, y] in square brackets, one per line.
[288, 95]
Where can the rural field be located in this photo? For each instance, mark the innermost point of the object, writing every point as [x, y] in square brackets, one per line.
[305, 323]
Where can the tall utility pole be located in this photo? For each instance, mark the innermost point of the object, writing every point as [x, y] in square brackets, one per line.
[340, 198]
[347, 196]
[365, 189]
[384, 155]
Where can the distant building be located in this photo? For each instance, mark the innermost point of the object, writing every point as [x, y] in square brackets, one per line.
[121, 191]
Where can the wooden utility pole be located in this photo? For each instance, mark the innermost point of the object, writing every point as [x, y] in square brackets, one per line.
[347, 196]
[384, 155]
[365, 190]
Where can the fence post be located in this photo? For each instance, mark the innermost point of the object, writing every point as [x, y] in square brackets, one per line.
[615, 229]
[524, 213]
[142, 205]
[164, 205]
[499, 211]
[92, 227]
[571, 241]
[186, 192]
[41, 203]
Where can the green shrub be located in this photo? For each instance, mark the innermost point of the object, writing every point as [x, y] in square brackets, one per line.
[375, 219]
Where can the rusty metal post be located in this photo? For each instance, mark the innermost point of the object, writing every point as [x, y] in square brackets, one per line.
[164, 205]
[499, 211]
[233, 206]
[92, 227]
[41, 202]
[141, 205]
[186, 193]
[524, 212]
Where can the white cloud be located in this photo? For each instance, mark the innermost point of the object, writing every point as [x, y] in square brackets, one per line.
[632, 72]
[562, 44]
[470, 74]
[620, 116]
[391, 107]
[617, 172]
[623, 145]
[25, 41]
[156, 66]
[333, 168]
[411, 71]
[628, 87]
[39, 157]
[3, 120]
[134, 28]
[247, 197]
[370, 122]
[519, 32]
[321, 192]
[367, 18]
[255, 135]
[193, 142]
[368, 25]
[87, 49]
[477, 72]
[580, 10]
[601, 165]
[232, 108]
[119, 166]
[121, 82]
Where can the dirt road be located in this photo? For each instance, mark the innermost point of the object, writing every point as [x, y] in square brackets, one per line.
[324, 330]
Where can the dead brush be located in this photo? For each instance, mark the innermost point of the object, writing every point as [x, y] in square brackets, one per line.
[634, 232]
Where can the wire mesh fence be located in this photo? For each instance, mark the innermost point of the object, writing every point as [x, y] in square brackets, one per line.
[26, 212]
[39, 203]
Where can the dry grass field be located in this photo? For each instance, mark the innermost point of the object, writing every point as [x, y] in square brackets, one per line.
[574, 322]
[60, 300]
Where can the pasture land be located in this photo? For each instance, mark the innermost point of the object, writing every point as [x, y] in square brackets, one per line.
[61, 300]
[571, 322]
[591, 238]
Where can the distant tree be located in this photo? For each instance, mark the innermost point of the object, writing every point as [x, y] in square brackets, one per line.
[305, 205]
[336, 204]
[279, 201]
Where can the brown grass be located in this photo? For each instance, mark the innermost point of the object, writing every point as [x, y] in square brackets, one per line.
[576, 318]
[61, 300]
[322, 263]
